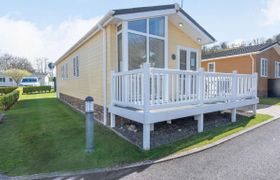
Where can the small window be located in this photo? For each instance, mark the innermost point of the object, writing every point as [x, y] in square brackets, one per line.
[76, 66]
[211, 67]
[156, 26]
[62, 72]
[277, 69]
[66, 71]
[2, 79]
[10, 79]
[138, 25]
[264, 67]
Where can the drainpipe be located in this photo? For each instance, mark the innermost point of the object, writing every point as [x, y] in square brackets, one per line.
[104, 59]
[253, 63]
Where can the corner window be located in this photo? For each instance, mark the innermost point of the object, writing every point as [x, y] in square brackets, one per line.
[138, 25]
[211, 67]
[136, 51]
[277, 69]
[146, 42]
[264, 67]
[156, 26]
[76, 64]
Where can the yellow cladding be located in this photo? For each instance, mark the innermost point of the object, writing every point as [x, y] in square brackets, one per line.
[90, 81]
[177, 37]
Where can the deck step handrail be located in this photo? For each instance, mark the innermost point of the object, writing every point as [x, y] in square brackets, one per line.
[149, 88]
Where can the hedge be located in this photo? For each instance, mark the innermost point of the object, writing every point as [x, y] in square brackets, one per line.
[37, 89]
[6, 90]
[7, 100]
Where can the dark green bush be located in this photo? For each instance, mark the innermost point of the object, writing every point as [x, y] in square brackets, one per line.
[6, 90]
[7, 100]
[36, 89]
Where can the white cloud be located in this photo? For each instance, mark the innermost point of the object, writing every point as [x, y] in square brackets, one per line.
[24, 38]
[272, 12]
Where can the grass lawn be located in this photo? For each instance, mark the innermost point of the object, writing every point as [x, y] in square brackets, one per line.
[43, 135]
[270, 101]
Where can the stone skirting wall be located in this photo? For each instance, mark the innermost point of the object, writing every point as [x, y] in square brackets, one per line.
[78, 104]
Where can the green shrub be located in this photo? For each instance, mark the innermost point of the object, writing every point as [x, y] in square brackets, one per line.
[7, 100]
[6, 90]
[36, 89]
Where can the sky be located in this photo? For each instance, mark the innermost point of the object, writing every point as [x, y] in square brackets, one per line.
[48, 28]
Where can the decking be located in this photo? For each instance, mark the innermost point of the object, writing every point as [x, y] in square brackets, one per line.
[150, 95]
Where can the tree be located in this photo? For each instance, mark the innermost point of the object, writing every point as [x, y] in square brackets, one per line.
[41, 65]
[17, 74]
[224, 45]
[8, 61]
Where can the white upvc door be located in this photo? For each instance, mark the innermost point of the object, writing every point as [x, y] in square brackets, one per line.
[187, 58]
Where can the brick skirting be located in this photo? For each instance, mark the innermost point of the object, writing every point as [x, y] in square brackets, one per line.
[79, 105]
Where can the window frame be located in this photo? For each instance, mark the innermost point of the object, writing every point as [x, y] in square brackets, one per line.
[277, 69]
[76, 66]
[3, 78]
[62, 72]
[125, 32]
[214, 66]
[264, 71]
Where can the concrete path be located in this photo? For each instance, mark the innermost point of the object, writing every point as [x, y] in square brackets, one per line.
[270, 110]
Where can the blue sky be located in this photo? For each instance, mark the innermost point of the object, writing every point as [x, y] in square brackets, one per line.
[57, 24]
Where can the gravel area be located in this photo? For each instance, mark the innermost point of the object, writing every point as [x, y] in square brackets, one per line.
[165, 133]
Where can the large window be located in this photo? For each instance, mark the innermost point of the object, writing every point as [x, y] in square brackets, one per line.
[146, 43]
[211, 67]
[136, 50]
[277, 69]
[156, 52]
[264, 67]
[138, 25]
[156, 26]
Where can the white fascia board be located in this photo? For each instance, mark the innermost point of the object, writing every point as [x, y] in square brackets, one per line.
[141, 15]
[204, 36]
[226, 57]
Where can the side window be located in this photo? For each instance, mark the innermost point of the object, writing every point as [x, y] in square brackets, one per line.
[66, 71]
[62, 72]
[76, 66]
[264, 67]
[277, 69]
[211, 67]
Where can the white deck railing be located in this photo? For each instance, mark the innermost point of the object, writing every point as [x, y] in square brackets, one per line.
[150, 88]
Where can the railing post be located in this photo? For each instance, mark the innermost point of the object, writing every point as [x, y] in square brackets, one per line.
[112, 98]
[146, 72]
[113, 88]
[255, 76]
[200, 85]
[146, 124]
[234, 85]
